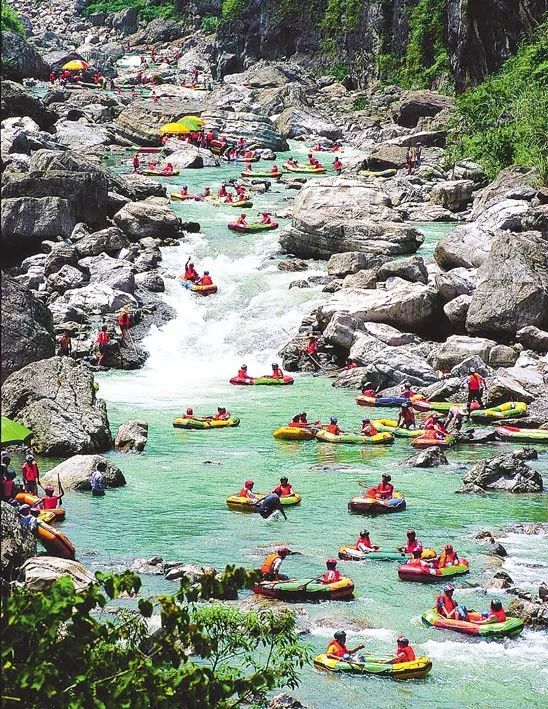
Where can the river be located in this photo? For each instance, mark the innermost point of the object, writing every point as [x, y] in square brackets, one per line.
[174, 502]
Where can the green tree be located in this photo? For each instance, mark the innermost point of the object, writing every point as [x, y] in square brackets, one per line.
[10, 21]
[61, 649]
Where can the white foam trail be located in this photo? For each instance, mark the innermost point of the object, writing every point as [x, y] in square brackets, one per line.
[377, 633]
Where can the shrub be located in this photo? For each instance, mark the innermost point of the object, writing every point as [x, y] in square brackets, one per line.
[10, 21]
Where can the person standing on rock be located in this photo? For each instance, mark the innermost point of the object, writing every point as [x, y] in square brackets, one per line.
[136, 163]
[64, 343]
[418, 155]
[103, 338]
[409, 160]
[31, 475]
[124, 322]
[476, 388]
[337, 165]
[98, 480]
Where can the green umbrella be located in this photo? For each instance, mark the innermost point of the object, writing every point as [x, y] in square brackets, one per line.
[12, 432]
[191, 122]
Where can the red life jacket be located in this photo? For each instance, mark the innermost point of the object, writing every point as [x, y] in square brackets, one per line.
[408, 415]
[408, 652]
[283, 490]
[268, 564]
[499, 615]
[277, 373]
[369, 430]
[331, 576]
[243, 492]
[124, 320]
[206, 281]
[415, 545]
[333, 428]
[385, 489]
[103, 338]
[446, 601]
[312, 347]
[475, 382]
[336, 648]
[9, 487]
[30, 471]
[363, 541]
[49, 503]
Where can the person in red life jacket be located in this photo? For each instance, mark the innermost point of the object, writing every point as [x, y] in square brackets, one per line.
[51, 501]
[367, 428]
[312, 346]
[384, 489]
[152, 165]
[165, 138]
[184, 191]
[8, 486]
[363, 542]
[241, 221]
[249, 155]
[276, 372]
[270, 568]
[439, 431]
[368, 390]
[229, 198]
[221, 415]
[448, 557]
[64, 344]
[406, 418]
[31, 475]
[333, 426]
[189, 414]
[205, 280]
[168, 169]
[210, 137]
[284, 489]
[221, 192]
[266, 218]
[248, 167]
[136, 163]
[103, 338]
[242, 372]
[350, 364]
[191, 274]
[417, 560]
[124, 322]
[404, 652]
[52, 77]
[476, 387]
[247, 491]
[496, 613]
[408, 392]
[455, 418]
[312, 160]
[412, 544]
[332, 575]
[337, 165]
[295, 422]
[274, 170]
[446, 605]
[337, 649]
[240, 143]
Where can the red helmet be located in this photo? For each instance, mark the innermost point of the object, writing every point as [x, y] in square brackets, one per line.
[249, 484]
[331, 563]
[411, 533]
[448, 547]
[402, 640]
[189, 412]
[283, 551]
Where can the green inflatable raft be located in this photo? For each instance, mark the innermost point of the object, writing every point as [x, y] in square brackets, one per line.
[510, 628]
[372, 665]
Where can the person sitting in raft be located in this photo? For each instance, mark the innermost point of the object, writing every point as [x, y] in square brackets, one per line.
[292, 162]
[312, 160]
[455, 418]
[284, 489]
[276, 372]
[296, 422]
[363, 542]
[168, 169]
[228, 199]
[51, 501]
[249, 155]
[332, 575]
[242, 372]
[384, 489]
[406, 418]
[274, 170]
[247, 491]
[367, 428]
[407, 392]
[404, 652]
[448, 557]
[412, 544]
[270, 568]
[205, 280]
[191, 274]
[152, 166]
[496, 613]
[439, 430]
[270, 506]
[221, 192]
[136, 163]
[189, 414]
[337, 165]
[206, 192]
[333, 426]
[447, 607]
[368, 390]
[337, 649]
[266, 218]
[184, 191]
[241, 221]
[417, 560]
[221, 415]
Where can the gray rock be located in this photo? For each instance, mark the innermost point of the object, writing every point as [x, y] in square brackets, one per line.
[502, 356]
[41, 572]
[452, 194]
[105, 270]
[56, 399]
[251, 126]
[347, 262]
[386, 157]
[457, 281]
[27, 220]
[352, 378]
[462, 369]
[391, 366]
[126, 21]
[140, 219]
[151, 281]
[75, 473]
[294, 122]
[285, 701]
[299, 284]
[418, 104]
[17, 101]
[469, 170]
[508, 181]
[427, 458]
[17, 545]
[465, 246]
[456, 311]
[516, 384]
[457, 348]
[20, 59]
[159, 30]
[143, 186]
[390, 335]
[362, 279]
[65, 278]
[80, 135]
[533, 338]
[507, 472]
[61, 254]
[131, 437]
[109, 241]
[341, 331]
[411, 269]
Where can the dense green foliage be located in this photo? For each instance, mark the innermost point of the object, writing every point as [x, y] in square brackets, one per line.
[341, 16]
[10, 21]
[64, 649]
[504, 120]
[210, 23]
[230, 9]
[147, 10]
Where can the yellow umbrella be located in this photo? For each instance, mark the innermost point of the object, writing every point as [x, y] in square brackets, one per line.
[174, 128]
[76, 65]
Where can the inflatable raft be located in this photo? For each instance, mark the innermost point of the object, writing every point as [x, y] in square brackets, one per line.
[424, 574]
[525, 435]
[373, 506]
[294, 433]
[273, 175]
[509, 410]
[390, 172]
[372, 665]
[243, 203]
[205, 424]
[306, 590]
[54, 541]
[262, 381]
[252, 227]
[427, 441]
[236, 502]
[509, 629]
[442, 406]
[350, 553]
[387, 401]
[391, 426]
[200, 290]
[327, 437]
[160, 173]
[28, 499]
[304, 169]
[177, 197]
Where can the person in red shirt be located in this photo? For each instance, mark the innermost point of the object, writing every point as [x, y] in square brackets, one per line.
[247, 491]
[337, 166]
[384, 489]
[124, 322]
[64, 343]
[404, 652]
[221, 192]
[496, 613]
[103, 338]
[242, 218]
[476, 386]
[274, 170]
[221, 415]
[367, 428]
[448, 557]
[266, 218]
[333, 426]
[296, 422]
[242, 372]
[406, 419]
[407, 392]
[412, 544]
[337, 647]
[205, 280]
[270, 569]
[276, 372]
[284, 489]
[190, 414]
[447, 607]
[168, 169]
[8, 486]
[51, 501]
[417, 560]
[363, 542]
[312, 346]
[191, 274]
[229, 198]
[332, 575]
[31, 475]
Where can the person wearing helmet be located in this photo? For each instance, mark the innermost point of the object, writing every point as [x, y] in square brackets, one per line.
[384, 489]
[455, 418]
[51, 501]
[270, 506]
[270, 569]
[205, 280]
[276, 372]
[242, 373]
[274, 170]
[266, 218]
[496, 613]
[407, 392]
[189, 413]
[404, 651]
[406, 418]
[284, 489]
[28, 521]
[447, 607]
[448, 557]
[31, 475]
[412, 544]
[337, 649]
[363, 542]
[242, 220]
[221, 192]
[368, 429]
[247, 491]
[476, 387]
[191, 274]
[367, 390]
[221, 414]
[332, 575]
[206, 192]
[333, 426]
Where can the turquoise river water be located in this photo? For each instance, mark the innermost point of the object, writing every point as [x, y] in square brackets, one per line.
[174, 502]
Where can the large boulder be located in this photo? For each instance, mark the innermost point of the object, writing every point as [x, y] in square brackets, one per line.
[113, 272]
[126, 21]
[419, 104]
[509, 473]
[533, 338]
[81, 135]
[392, 366]
[512, 287]
[410, 269]
[506, 185]
[27, 221]
[17, 544]
[457, 348]
[452, 194]
[96, 298]
[75, 473]
[456, 282]
[141, 120]
[140, 219]
[41, 572]
[386, 157]
[160, 30]
[251, 126]
[105, 241]
[347, 262]
[20, 60]
[456, 311]
[16, 101]
[428, 458]
[27, 327]
[294, 122]
[516, 384]
[56, 399]
[131, 437]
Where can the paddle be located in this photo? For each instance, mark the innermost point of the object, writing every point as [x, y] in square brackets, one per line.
[312, 359]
